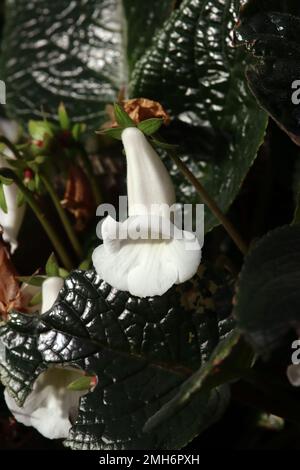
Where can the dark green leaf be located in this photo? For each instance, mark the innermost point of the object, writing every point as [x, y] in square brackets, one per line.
[268, 295]
[150, 126]
[76, 52]
[52, 267]
[194, 71]
[21, 357]
[271, 32]
[141, 351]
[230, 360]
[143, 18]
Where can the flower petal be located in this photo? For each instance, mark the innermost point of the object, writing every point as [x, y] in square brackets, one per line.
[50, 290]
[50, 407]
[145, 267]
[148, 180]
[12, 220]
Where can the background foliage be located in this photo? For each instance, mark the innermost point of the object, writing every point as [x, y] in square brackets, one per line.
[88, 54]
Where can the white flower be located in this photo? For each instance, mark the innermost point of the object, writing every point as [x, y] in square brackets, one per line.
[12, 220]
[50, 289]
[50, 407]
[10, 129]
[146, 267]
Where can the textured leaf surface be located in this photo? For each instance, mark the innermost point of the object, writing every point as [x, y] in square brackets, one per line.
[268, 300]
[195, 72]
[73, 51]
[229, 361]
[271, 31]
[140, 349]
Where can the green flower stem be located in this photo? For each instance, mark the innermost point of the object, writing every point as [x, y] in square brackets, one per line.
[42, 217]
[90, 173]
[63, 216]
[10, 146]
[206, 198]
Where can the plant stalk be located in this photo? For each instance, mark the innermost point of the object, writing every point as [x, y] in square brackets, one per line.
[206, 198]
[90, 173]
[41, 216]
[63, 216]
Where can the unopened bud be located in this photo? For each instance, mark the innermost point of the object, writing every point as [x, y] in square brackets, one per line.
[28, 175]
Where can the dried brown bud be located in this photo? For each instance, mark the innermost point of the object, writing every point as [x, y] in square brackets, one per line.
[139, 109]
[10, 291]
[78, 197]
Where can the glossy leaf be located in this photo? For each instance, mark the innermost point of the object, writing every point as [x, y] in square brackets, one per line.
[230, 360]
[194, 71]
[268, 299]
[141, 350]
[271, 31]
[75, 52]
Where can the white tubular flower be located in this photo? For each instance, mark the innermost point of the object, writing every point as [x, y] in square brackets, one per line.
[50, 407]
[50, 290]
[12, 220]
[10, 129]
[146, 254]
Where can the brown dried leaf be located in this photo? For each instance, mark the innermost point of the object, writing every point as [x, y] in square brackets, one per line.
[10, 292]
[78, 197]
